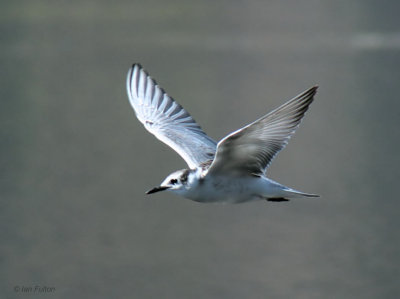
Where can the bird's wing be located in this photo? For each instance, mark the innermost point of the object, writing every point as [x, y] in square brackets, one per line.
[166, 119]
[251, 149]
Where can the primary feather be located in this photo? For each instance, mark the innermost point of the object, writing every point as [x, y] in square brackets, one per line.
[251, 149]
[162, 116]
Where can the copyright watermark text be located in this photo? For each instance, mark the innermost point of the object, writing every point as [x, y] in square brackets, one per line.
[36, 289]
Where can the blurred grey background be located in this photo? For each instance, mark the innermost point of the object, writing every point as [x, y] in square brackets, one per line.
[75, 162]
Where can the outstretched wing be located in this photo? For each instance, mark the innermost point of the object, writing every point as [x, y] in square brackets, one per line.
[251, 149]
[166, 119]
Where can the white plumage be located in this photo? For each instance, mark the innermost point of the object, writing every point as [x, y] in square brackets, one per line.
[232, 170]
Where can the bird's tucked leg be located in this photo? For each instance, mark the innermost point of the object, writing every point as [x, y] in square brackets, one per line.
[277, 199]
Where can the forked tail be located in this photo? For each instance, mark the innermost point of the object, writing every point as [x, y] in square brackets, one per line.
[287, 194]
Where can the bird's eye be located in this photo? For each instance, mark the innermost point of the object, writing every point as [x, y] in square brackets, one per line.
[173, 181]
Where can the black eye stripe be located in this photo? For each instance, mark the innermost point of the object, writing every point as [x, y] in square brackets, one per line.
[184, 176]
[173, 181]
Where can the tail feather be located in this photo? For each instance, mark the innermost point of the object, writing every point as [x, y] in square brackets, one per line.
[291, 193]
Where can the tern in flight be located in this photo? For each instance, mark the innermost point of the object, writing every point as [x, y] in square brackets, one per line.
[232, 170]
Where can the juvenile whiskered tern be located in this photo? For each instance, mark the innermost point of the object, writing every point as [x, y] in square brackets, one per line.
[232, 170]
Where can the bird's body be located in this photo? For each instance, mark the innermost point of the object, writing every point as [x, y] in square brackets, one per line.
[231, 171]
[227, 189]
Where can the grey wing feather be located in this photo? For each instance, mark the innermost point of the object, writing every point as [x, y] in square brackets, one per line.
[251, 149]
[166, 119]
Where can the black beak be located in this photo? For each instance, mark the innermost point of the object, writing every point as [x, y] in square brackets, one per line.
[157, 189]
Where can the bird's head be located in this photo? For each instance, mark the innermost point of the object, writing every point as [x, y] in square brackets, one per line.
[175, 182]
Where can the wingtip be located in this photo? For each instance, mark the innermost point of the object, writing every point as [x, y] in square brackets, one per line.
[137, 64]
[314, 88]
[133, 67]
[306, 97]
[141, 69]
[309, 93]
